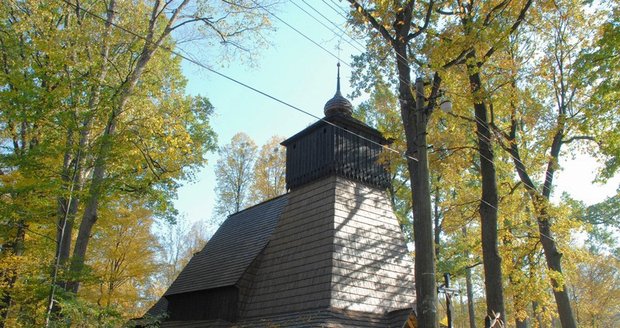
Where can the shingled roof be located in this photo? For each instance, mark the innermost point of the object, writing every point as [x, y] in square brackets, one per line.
[329, 253]
[231, 250]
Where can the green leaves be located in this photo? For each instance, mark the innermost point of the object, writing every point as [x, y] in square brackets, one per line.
[269, 171]
[233, 173]
[64, 76]
[598, 65]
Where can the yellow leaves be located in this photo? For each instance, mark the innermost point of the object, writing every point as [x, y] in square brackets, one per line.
[122, 257]
[558, 280]
[593, 283]
[10, 263]
[269, 171]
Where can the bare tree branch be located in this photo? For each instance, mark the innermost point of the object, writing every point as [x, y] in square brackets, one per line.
[422, 28]
[575, 138]
[513, 28]
[460, 59]
[385, 33]
[489, 17]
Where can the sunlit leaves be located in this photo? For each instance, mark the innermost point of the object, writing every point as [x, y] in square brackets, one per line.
[269, 171]
[122, 258]
[58, 86]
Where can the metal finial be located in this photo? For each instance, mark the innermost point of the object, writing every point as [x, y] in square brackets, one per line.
[338, 79]
[338, 104]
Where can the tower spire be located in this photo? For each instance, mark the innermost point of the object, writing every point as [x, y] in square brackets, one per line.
[338, 104]
[338, 79]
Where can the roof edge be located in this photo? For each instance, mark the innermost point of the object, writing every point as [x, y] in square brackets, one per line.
[259, 204]
[341, 121]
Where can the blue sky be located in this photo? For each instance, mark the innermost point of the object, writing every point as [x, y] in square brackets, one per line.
[293, 69]
[297, 71]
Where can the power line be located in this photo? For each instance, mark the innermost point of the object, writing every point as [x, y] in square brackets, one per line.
[247, 86]
[334, 9]
[334, 24]
[327, 27]
[298, 32]
[273, 97]
[498, 211]
[320, 46]
[339, 13]
[489, 140]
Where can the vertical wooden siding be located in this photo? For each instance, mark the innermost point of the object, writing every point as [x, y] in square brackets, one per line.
[218, 303]
[327, 150]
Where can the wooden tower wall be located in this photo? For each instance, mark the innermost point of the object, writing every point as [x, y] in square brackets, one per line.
[337, 245]
[348, 148]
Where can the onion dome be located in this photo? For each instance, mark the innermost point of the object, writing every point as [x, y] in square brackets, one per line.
[338, 104]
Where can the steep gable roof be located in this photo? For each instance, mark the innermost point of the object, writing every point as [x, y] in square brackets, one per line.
[231, 250]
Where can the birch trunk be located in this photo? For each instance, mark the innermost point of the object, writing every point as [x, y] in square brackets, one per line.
[90, 216]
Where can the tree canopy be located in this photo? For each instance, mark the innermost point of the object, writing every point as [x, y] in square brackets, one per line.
[528, 84]
[97, 134]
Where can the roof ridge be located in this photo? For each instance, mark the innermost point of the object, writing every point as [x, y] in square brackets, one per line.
[259, 204]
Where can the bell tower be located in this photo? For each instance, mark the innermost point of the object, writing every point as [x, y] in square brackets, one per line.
[337, 145]
[329, 253]
[338, 245]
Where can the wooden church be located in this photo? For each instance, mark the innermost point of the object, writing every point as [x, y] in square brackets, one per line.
[329, 253]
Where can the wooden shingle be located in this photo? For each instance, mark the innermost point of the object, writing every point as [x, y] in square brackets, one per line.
[231, 250]
[330, 253]
[338, 257]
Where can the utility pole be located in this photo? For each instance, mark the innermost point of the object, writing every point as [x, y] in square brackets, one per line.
[449, 292]
[446, 277]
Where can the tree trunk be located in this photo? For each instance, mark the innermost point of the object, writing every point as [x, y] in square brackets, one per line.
[437, 217]
[489, 202]
[90, 212]
[72, 169]
[415, 122]
[152, 43]
[554, 262]
[519, 323]
[536, 314]
[552, 255]
[449, 306]
[64, 228]
[414, 115]
[66, 208]
[541, 201]
[470, 299]
[16, 247]
[470, 290]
